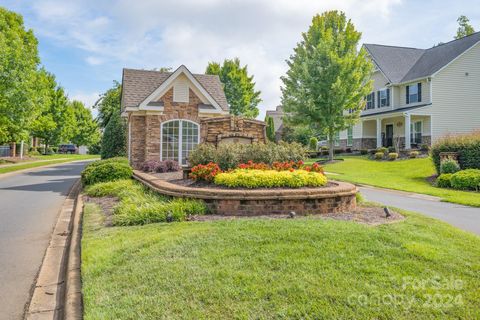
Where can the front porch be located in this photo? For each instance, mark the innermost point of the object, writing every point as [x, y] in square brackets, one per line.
[390, 130]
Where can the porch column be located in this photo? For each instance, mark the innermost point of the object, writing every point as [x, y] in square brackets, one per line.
[407, 131]
[379, 133]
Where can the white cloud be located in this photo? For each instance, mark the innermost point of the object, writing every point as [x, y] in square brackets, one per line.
[151, 33]
[88, 99]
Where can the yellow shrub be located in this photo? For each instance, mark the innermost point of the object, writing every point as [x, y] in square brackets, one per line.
[270, 178]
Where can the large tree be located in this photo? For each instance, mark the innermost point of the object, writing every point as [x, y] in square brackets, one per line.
[108, 104]
[86, 132]
[114, 142]
[19, 62]
[238, 85]
[464, 27]
[56, 122]
[328, 77]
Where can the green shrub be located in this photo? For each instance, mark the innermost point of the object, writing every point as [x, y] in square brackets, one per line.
[413, 154]
[466, 179]
[382, 150]
[379, 155]
[363, 151]
[106, 171]
[114, 141]
[251, 178]
[229, 156]
[449, 166]
[467, 146]
[313, 144]
[392, 156]
[424, 147]
[33, 153]
[444, 180]
[391, 149]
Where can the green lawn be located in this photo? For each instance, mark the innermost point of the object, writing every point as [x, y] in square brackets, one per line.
[302, 268]
[45, 160]
[407, 175]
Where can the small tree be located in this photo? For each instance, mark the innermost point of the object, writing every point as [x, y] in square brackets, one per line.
[86, 132]
[464, 27]
[270, 128]
[328, 77]
[239, 87]
[114, 141]
[313, 144]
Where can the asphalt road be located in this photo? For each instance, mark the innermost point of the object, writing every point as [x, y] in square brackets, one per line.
[29, 206]
[463, 217]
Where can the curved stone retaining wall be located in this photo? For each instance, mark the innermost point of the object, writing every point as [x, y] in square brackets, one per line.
[338, 197]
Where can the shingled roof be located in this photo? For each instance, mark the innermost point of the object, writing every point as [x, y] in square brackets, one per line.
[402, 64]
[137, 85]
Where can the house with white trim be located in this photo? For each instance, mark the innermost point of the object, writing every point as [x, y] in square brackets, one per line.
[169, 113]
[420, 94]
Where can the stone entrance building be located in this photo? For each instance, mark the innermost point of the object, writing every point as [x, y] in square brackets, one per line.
[169, 113]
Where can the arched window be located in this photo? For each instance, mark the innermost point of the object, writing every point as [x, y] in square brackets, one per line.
[179, 137]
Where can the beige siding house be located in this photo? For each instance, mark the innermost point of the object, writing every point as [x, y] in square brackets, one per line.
[421, 94]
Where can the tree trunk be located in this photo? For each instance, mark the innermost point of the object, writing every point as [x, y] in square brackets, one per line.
[13, 149]
[330, 144]
[46, 147]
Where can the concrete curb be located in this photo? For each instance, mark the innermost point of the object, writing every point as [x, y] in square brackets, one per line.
[48, 298]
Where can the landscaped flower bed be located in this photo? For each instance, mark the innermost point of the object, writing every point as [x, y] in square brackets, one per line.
[253, 178]
[288, 174]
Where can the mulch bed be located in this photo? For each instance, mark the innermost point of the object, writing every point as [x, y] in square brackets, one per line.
[107, 204]
[363, 214]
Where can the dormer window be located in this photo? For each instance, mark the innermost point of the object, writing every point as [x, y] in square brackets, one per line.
[414, 93]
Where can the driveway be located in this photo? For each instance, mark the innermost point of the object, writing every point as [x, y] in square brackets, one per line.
[463, 217]
[29, 206]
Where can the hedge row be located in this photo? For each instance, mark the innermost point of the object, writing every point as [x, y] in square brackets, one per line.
[467, 146]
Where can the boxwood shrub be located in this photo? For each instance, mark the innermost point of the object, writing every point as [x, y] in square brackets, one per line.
[247, 178]
[449, 166]
[444, 180]
[106, 170]
[466, 179]
[467, 146]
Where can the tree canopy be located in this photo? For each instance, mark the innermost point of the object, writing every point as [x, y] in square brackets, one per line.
[19, 63]
[328, 77]
[239, 87]
[464, 27]
[86, 131]
[108, 104]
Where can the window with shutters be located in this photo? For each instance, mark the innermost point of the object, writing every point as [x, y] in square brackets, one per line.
[370, 101]
[414, 93]
[384, 98]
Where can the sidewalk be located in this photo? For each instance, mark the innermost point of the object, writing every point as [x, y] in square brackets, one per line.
[463, 217]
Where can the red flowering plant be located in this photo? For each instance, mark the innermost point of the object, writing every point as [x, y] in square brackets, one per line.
[287, 165]
[255, 166]
[314, 168]
[205, 172]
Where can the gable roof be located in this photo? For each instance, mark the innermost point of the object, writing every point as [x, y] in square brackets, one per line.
[402, 64]
[138, 85]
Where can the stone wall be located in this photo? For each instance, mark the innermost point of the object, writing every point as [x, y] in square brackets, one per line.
[336, 197]
[213, 130]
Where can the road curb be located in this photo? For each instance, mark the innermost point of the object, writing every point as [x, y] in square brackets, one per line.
[57, 275]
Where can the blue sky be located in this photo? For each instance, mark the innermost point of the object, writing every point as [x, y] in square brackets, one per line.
[86, 43]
